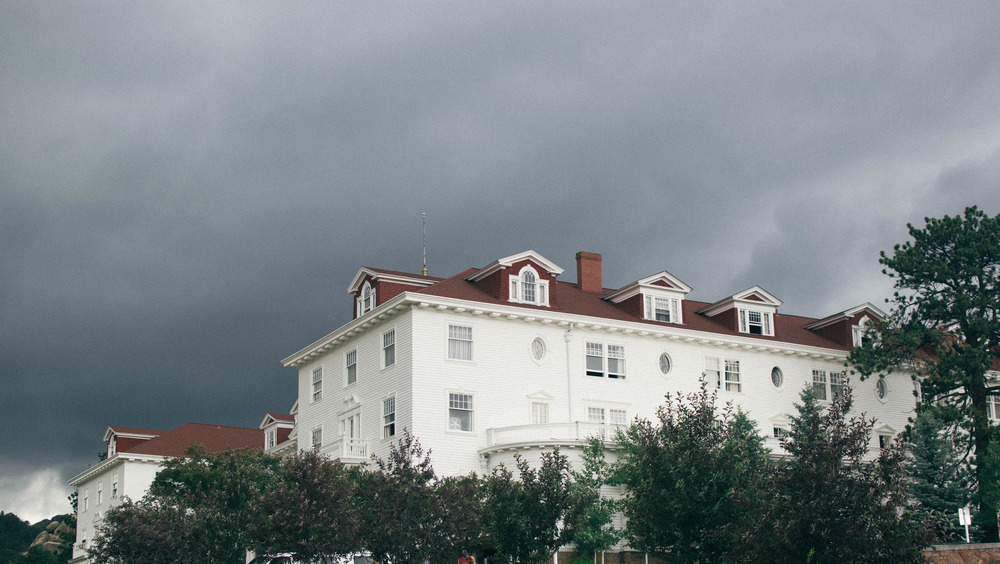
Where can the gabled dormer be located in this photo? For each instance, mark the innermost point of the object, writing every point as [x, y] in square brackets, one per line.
[751, 311]
[525, 278]
[372, 287]
[659, 297]
[847, 328]
[123, 439]
[277, 427]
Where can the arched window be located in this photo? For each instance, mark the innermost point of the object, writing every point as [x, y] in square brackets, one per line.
[527, 288]
[366, 302]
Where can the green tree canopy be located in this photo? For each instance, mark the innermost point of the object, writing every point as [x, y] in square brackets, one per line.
[830, 501]
[692, 478]
[945, 327]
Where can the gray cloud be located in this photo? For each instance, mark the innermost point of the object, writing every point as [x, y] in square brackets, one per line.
[187, 188]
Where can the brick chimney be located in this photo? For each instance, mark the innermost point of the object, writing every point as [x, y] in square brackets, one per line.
[588, 272]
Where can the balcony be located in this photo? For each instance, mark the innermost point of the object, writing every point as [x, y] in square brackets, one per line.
[547, 434]
[348, 451]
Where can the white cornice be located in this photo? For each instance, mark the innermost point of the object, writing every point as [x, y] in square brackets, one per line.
[407, 300]
[847, 314]
[551, 267]
[117, 460]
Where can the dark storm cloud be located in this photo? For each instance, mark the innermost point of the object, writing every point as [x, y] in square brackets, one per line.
[187, 189]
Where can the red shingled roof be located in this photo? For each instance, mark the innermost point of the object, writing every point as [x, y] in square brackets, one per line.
[787, 328]
[214, 438]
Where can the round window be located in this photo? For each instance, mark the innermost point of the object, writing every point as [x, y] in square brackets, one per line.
[538, 349]
[777, 378]
[881, 390]
[665, 363]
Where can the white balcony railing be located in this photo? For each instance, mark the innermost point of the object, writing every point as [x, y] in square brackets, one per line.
[547, 433]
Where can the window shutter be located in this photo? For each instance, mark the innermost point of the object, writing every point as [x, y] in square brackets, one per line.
[513, 288]
[767, 324]
[647, 311]
[675, 313]
[743, 321]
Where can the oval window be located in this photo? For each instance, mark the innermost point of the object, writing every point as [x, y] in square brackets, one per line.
[538, 349]
[665, 363]
[881, 390]
[777, 378]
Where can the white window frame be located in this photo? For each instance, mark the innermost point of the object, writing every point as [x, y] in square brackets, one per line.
[316, 438]
[114, 485]
[539, 413]
[765, 322]
[389, 417]
[606, 415]
[665, 309]
[317, 384]
[819, 384]
[351, 366]
[520, 283]
[829, 384]
[271, 438]
[100, 492]
[366, 299]
[993, 408]
[713, 371]
[460, 342]
[612, 357]
[388, 348]
[858, 332]
[596, 414]
[733, 376]
[86, 499]
[459, 403]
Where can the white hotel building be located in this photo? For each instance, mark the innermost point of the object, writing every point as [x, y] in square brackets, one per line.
[507, 359]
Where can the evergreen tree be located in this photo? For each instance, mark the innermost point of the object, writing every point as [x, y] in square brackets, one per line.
[830, 501]
[945, 326]
[940, 481]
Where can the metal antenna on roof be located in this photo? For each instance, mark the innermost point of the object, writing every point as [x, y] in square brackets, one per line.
[423, 216]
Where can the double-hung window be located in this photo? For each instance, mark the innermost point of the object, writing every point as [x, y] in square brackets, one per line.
[595, 360]
[459, 342]
[756, 322]
[351, 359]
[389, 348]
[993, 407]
[114, 485]
[614, 416]
[733, 376]
[595, 415]
[317, 438]
[459, 412]
[829, 386]
[388, 417]
[713, 371]
[100, 492]
[366, 301]
[838, 384]
[819, 384]
[539, 413]
[272, 438]
[317, 383]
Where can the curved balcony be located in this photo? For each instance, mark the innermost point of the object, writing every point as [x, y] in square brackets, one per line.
[546, 435]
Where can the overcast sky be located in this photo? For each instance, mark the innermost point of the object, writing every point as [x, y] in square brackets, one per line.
[186, 189]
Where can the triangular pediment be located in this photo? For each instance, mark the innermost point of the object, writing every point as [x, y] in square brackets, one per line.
[866, 309]
[540, 396]
[365, 273]
[659, 282]
[350, 403]
[506, 262]
[756, 297]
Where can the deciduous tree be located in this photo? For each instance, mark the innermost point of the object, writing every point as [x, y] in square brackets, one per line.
[521, 516]
[692, 478]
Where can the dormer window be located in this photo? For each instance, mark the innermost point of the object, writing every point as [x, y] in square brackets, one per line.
[858, 332]
[526, 288]
[366, 302]
[756, 322]
[667, 310]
